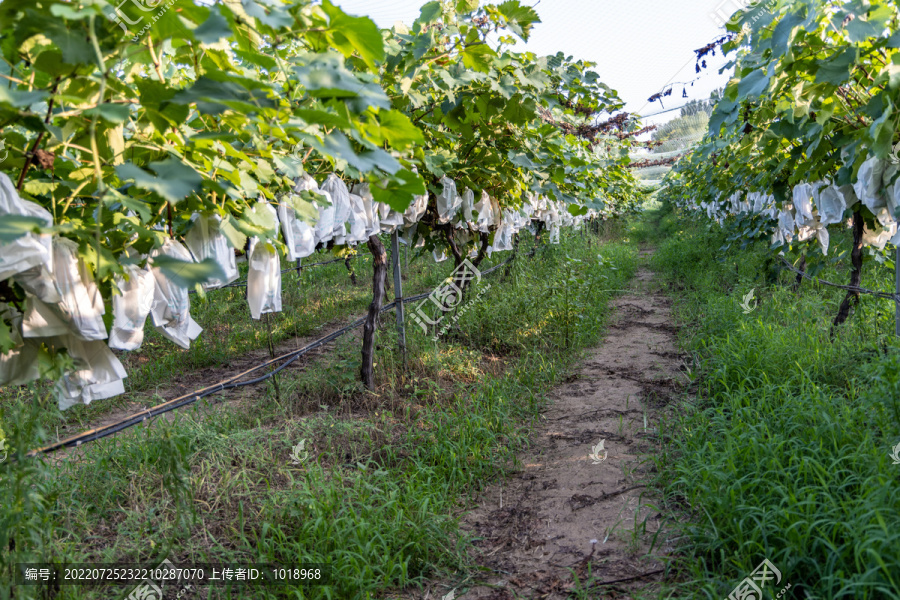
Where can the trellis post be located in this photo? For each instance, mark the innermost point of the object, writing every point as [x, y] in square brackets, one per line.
[398, 295]
[897, 290]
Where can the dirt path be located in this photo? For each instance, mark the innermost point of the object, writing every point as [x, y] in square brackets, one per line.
[563, 512]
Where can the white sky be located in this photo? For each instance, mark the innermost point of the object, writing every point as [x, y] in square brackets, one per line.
[639, 45]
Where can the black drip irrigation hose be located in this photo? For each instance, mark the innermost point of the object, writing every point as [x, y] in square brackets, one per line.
[289, 359]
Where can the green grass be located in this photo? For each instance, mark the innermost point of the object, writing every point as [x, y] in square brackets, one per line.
[386, 475]
[784, 452]
[311, 300]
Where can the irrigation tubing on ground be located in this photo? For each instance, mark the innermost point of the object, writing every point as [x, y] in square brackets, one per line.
[230, 383]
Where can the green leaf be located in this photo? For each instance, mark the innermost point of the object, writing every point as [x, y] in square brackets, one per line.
[430, 13]
[6, 341]
[142, 209]
[18, 98]
[358, 34]
[466, 6]
[12, 227]
[290, 166]
[519, 19]
[859, 30]
[272, 14]
[215, 28]
[40, 187]
[882, 132]
[753, 85]
[188, 274]
[478, 57]
[114, 113]
[176, 180]
[215, 97]
[67, 12]
[836, 70]
[399, 130]
[73, 44]
[305, 205]
[337, 146]
[399, 191]
[231, 233]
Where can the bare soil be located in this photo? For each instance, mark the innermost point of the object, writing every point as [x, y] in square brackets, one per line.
[565, 515]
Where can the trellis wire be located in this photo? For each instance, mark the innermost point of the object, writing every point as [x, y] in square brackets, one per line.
[849, 288]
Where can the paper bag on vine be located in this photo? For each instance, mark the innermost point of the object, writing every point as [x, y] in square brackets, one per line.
[171, 310]
[205, 240]
[264, 276]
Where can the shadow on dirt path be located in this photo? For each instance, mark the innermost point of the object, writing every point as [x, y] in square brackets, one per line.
[566, 513]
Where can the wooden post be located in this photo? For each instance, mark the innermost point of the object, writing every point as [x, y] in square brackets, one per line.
[398, 295]
[379, 268]
[897, 287]
[299, 267]
[350, 270]
[852, 297]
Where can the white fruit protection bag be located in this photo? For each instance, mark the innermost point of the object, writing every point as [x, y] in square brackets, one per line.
[205, 240]
[98, 373]
[373, 219]
[340, 198]
[38, 280]
[171, 310]
[416, 210]
[29, 250]
[869, 182]
[448, 201]
[831, 204]
[19, 365]
[324, 230]
[131, 307]
[264, 276]
[358, 221]
[465, 218]
[391, 220]
[299, 237]
[803, 195]
[80, 308]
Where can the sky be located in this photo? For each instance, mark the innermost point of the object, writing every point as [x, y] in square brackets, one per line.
[639, 46]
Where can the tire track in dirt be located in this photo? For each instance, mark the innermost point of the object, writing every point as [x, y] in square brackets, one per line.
[563, 512]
